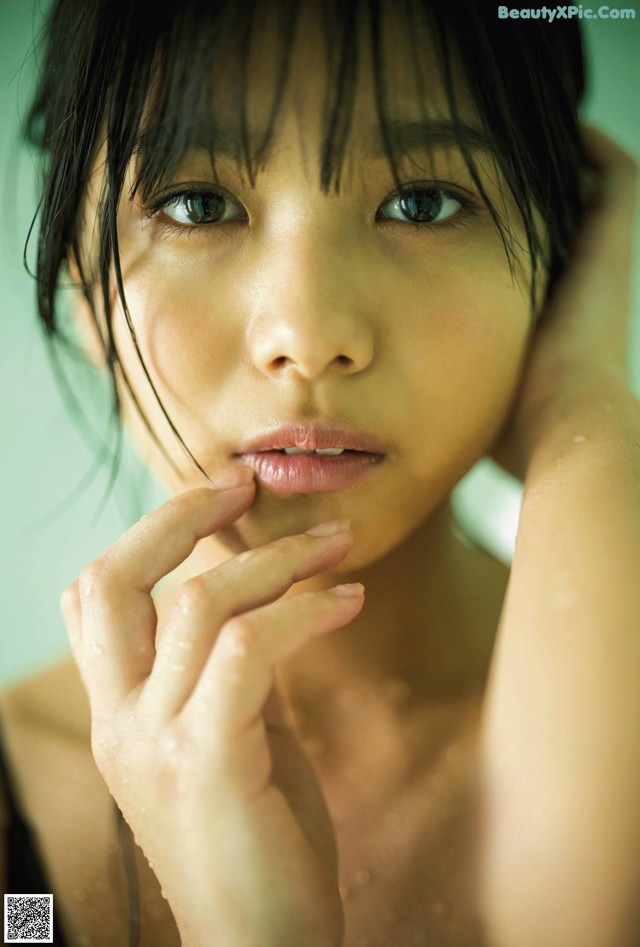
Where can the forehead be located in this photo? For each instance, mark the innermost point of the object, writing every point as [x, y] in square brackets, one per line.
[337, 72]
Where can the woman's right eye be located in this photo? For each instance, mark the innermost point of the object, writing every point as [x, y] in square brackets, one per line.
[197, 208]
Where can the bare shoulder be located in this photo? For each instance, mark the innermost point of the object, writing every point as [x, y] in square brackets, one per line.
[57, 789]
[4, 822]
[53, 699]
[61, 794]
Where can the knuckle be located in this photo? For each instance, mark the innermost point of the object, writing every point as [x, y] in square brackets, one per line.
[287, 546]
[193, 595]
[94, 575]
[189, 500]
[284, 552]
[247, 557]
[237, 635]
[69, 598]
[174, 759]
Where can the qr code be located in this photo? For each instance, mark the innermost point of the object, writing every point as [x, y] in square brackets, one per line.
[28, 918]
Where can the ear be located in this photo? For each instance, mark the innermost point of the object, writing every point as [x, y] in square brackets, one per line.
[83, 318]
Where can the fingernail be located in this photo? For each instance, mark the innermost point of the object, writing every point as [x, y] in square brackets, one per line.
[240, 476]
[331, 528]
[350, 590]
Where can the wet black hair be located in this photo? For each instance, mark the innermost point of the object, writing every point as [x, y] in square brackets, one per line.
[139, 75]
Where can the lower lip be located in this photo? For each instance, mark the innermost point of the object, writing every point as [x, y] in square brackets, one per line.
[310, 473]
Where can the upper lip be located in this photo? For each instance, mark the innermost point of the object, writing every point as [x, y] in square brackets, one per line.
[313, 437]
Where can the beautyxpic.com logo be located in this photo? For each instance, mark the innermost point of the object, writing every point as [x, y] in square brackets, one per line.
[566, 13]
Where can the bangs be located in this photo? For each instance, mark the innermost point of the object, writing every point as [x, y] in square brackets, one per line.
[192, 84]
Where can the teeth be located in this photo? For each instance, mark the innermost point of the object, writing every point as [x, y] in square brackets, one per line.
[327, 452]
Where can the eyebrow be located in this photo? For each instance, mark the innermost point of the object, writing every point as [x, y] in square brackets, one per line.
[425, 135]
[410, 137]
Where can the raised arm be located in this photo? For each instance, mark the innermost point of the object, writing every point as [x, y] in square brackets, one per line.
[560, 760]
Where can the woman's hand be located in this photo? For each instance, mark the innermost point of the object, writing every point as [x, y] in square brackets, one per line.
[187, 730]
[581, 342]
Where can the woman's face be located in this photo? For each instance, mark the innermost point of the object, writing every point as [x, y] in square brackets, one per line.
[296, 308]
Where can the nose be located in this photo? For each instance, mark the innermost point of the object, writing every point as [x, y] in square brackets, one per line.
[312, 314]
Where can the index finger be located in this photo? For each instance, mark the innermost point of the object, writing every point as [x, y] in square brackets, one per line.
[118, 616]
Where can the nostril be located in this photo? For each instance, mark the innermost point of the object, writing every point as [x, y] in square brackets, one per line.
[280, 361]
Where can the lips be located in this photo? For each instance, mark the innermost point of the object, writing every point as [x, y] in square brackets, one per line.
[316, 437]
[305, 459]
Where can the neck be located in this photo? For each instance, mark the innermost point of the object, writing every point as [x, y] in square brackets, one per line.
[424, 637]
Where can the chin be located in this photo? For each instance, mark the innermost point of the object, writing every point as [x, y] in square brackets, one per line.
[375, 536]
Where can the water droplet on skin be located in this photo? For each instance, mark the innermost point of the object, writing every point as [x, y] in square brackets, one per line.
[579, 439]
[344, 891]
[362, 876]
[114, 741]
[142, 648]
[97, 649]
[185, 645]
[143, 809]
[125, 780]
[178, 666]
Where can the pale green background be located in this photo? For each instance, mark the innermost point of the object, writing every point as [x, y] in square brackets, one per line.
[47, 529]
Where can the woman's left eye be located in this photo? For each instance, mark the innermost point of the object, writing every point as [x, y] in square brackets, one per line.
[423, 205]
[198, 208]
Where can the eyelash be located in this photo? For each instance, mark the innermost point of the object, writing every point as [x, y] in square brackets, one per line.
[470, 207]
[152, 210]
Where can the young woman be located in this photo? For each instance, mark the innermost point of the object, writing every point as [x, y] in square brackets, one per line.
[332, 254]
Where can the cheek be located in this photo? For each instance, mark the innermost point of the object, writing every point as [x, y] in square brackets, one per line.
[463, 355]
[190, 348]
[186, 336]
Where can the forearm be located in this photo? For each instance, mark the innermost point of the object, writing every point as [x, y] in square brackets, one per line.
[561, 737]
